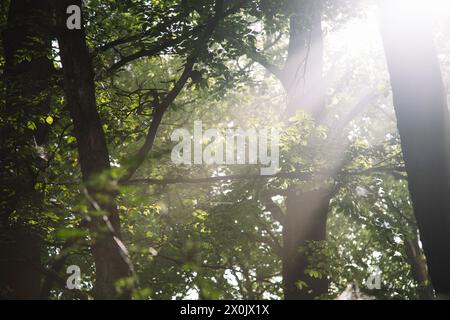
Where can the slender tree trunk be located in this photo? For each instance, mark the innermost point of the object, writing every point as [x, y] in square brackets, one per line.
[423, 123]
[28, 73]
[110, 257]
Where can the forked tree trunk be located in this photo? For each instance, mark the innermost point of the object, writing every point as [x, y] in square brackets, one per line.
[109, 255]
[423, 123]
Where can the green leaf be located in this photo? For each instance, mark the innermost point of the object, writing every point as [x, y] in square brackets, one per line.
[65, 234]
[49, 120]
[31, 125]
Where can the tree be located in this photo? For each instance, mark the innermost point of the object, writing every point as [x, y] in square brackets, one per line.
[305, 216]
[424, 127]
[111, 258]
[306, 210]
[24, 129]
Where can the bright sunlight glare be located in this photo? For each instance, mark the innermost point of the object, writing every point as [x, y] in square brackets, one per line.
[433, 8]
[361, 35]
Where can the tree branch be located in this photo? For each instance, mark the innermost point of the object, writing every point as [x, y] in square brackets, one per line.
[149, 181]
[171, 96]
[262, 60]
[273, 208]
[157, 48]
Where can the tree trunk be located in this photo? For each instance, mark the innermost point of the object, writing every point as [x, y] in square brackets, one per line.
[306, 211]
[302, 75]
[28, 73]
[306, 221]
[419, 268]
[110, 257]
[423, 123]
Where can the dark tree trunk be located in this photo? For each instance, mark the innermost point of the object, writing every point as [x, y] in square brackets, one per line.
[110, 258]
[423, 123]
[28, 73]
[306, 221]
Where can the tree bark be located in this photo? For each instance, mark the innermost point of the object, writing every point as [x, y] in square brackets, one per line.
[423, 123]
[28, 73]
[111, 260]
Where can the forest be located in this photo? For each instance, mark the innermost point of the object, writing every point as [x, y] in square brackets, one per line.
[224, 150]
